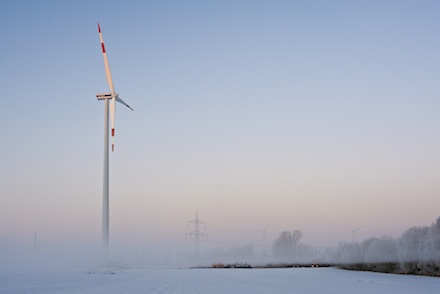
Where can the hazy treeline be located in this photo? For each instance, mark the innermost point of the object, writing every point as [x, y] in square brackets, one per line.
[417, 250]
[415, 244]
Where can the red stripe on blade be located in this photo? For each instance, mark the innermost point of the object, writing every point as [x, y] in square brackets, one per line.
[103, 48]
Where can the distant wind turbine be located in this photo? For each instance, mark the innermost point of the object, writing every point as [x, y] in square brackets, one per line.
[264, 234]
[353, 231]
[263, 241]
[113, 96]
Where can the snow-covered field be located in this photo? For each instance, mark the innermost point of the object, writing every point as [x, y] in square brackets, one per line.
[185, 280]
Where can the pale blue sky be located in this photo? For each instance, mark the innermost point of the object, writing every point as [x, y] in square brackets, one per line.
[308, 115]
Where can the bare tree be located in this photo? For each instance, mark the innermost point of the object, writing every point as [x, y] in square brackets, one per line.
[286, 245]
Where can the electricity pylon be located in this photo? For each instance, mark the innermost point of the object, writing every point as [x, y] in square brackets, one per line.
[196, 233]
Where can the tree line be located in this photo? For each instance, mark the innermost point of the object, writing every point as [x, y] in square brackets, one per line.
[416, 251]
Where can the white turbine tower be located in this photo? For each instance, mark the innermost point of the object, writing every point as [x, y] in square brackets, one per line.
[113, 96]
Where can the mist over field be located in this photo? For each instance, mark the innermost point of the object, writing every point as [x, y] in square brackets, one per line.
[415, 245]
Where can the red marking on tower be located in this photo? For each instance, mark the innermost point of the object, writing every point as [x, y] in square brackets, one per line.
[113, 147]
[113, 132]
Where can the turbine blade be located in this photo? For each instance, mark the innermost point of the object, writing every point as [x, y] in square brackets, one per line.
[108, 74]
[122, 101]
[114, 95]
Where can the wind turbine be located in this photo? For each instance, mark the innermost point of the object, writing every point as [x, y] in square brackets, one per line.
[264, 238]
[353, 230]
[264, 233]
[113, 97]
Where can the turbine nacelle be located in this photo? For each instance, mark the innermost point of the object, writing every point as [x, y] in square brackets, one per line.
[109, 95]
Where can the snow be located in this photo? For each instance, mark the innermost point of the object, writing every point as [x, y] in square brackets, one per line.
[186, 280]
